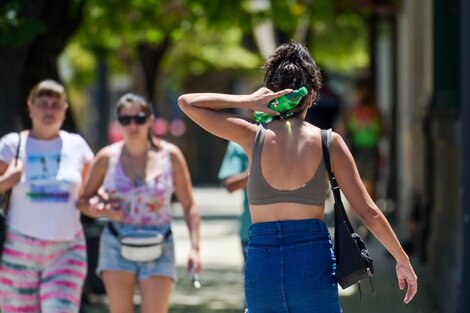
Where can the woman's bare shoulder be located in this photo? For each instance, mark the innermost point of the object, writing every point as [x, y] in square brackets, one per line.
[104, 154]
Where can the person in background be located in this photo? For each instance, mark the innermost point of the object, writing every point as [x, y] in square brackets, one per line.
[290, 263]
[44, 262]
[234, 176]
[364, 129]
[326, 111]
[131, 183]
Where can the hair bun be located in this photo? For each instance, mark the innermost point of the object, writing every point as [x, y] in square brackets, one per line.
[291, 66]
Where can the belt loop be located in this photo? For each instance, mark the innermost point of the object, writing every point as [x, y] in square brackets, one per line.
[279, 226]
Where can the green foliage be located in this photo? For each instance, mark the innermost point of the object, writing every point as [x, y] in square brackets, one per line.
[16, 30]
[207, 35]
[209, 50]
[340, 42]
[337, 38]
[285, 15]
[79, 64]
[220, 14]
[117, 24]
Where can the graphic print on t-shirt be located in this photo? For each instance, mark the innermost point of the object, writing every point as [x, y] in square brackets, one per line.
[45, 186]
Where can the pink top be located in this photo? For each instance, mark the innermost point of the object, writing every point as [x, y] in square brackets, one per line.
[149, 203]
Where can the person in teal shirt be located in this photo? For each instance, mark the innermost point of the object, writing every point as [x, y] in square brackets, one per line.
[234, 176]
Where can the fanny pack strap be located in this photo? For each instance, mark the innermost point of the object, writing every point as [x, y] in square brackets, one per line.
[116, 234]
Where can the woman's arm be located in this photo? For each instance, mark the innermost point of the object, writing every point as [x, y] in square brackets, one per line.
[91, 203]
[203, 108]
[348, 178]
[184, 193]
[10, 174]
[236, 182]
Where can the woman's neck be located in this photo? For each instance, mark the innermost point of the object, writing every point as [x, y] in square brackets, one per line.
[297, 120]
[43, 134]
[136, 148]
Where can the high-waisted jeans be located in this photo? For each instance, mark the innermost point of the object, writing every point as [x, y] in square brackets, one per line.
[290, 267]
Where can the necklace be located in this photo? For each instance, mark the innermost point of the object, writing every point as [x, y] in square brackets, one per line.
[139, 180]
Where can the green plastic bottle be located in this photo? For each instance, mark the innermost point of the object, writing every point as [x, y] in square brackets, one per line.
[281, 105]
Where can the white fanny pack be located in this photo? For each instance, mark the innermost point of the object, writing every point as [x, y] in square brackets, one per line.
[141, 248]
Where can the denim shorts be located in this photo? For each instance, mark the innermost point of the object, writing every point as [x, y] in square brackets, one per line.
[291, 267]
[110, 256]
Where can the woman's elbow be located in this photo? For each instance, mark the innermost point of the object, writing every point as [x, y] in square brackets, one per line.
[183, 101]
[370, 216]
[193, 212]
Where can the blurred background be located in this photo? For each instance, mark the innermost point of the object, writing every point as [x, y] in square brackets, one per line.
[414, 54]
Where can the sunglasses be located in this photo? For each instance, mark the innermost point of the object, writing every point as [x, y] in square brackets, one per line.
[139, 119]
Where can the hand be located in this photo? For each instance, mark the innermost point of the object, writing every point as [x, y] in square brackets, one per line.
[194, 261]
[108, 208]
[14, 171]
[407, 276]
[96, 204]
[260, 99]
[116, 214]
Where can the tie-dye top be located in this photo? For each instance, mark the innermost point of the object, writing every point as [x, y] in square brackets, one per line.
[148, 203]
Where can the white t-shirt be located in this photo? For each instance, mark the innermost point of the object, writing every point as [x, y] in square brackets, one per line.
[42, 204]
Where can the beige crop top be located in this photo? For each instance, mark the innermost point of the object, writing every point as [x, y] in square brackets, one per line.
[260, 192]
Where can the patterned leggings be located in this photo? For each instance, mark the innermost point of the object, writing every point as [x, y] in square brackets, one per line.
[41, 275]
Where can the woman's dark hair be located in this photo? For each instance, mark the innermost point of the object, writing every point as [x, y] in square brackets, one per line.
[292, 66]
[135, 99]
[144, 106]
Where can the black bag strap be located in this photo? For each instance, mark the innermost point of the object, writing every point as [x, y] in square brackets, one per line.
[116, 234]
[17, 154]
[113, 229]
[340, 212]
[7, 193]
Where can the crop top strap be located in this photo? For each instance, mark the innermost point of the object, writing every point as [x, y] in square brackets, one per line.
[257, 146]
[114, 155]
[329, 138]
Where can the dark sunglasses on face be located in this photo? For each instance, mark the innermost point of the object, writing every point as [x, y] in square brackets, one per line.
[139, 119]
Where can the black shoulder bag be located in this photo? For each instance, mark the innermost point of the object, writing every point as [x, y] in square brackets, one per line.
[4, 204]
[353, 262]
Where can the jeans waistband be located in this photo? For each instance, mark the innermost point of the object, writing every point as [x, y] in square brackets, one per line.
[291, 226]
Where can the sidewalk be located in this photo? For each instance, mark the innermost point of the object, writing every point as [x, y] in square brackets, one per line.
[222, 261]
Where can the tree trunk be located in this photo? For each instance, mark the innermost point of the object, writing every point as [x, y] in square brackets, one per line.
[150, 57]
[35, 59]
[11, 65]
[62, 18]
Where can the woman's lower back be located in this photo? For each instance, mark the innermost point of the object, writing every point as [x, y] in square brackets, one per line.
[285, 212]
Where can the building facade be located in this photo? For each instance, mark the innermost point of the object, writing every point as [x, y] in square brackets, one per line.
[432, 139]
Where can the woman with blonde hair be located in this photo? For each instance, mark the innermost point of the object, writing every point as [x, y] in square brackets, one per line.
[44, 263]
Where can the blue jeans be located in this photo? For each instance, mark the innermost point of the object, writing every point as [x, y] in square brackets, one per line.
[290, 267]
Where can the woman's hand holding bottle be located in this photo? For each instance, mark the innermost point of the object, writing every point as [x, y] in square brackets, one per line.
[102, 207]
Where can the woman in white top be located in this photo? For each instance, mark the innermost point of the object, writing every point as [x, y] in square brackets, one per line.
[44, 263]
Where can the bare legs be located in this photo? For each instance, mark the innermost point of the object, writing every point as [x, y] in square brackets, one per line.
[155, 292]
